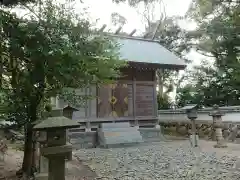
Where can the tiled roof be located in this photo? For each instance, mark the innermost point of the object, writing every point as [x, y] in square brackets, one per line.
[147, 51]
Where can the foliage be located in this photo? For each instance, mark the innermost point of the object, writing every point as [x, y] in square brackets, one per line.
[118, 19]
[16, 2]
[52, 49]
[218, 38]
[207, 87]
[134, 2]
[163, 101]
[10, 3]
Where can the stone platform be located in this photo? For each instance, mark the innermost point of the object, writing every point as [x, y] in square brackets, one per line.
[90, 139]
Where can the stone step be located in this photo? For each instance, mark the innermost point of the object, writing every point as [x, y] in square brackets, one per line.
[118, 133]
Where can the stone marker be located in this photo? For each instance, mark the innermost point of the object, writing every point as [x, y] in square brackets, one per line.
[110, 134]
[218, 125]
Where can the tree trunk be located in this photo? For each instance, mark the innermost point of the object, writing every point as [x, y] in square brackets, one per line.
[28, 151]
[35, 154]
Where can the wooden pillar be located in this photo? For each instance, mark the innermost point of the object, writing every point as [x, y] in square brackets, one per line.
[90, 103]
[155, 101]
[134, 101]
[87, 104]
[57, 102]
[159, 77]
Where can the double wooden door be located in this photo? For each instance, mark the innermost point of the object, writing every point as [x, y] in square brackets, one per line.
[113, 100]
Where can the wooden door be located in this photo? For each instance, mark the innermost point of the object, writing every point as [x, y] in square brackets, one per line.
[113, 100]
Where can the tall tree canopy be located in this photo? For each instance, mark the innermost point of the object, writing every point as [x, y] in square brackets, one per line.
[217, 37]
[52, 49]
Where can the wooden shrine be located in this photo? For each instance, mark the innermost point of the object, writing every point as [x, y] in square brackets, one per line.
[133, 97]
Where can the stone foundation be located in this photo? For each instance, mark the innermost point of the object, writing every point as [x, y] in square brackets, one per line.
[89, 139]
[83, 139]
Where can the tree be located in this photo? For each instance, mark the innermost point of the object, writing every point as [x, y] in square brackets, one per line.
[51, 50]
[118, 19]
[217, 37]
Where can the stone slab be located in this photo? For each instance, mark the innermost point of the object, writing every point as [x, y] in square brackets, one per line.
[151, 134]
[118, 133]
[114, 125]
[83, 139]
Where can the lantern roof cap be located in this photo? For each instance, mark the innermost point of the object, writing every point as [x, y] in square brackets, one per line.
[190, 107]
[70, 107]
[56, 123]
[216, 111]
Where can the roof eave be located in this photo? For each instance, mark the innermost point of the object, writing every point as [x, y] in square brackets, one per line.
[157, 65]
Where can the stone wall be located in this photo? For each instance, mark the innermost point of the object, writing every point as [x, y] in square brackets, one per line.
[175, 122]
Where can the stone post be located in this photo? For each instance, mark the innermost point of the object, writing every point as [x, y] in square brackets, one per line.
[218, 125]
[194, 136]
[191, 110]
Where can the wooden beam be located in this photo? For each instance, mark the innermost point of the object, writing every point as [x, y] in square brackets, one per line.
[133, 32]
[118, 30]
[102, 28]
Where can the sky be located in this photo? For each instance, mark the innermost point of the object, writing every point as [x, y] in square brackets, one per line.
[102, 10]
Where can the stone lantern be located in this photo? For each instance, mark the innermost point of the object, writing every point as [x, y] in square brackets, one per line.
[191, 111]
[56, 148]
[218, 125]
[68, 111]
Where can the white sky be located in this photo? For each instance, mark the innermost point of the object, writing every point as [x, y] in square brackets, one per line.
[102, 10]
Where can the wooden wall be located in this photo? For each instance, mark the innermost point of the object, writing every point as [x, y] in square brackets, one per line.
[88, 109]
[133, 95]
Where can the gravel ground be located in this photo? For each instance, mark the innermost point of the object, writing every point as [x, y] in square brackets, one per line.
[164, 160]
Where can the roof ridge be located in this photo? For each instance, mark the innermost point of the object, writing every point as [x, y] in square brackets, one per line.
[132, 37]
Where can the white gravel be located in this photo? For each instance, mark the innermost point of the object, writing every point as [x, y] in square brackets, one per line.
[163, 160]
